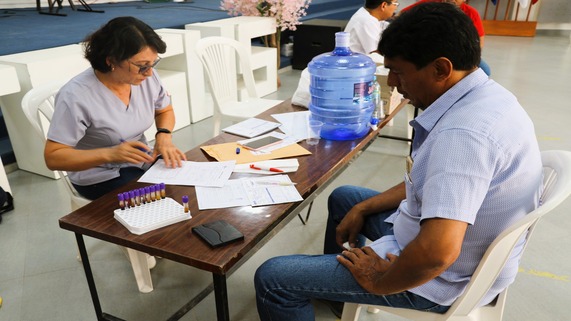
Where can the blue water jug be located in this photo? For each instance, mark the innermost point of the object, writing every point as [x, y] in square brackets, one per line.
[341, 88]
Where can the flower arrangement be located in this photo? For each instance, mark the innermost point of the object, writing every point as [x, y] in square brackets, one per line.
[286, 12]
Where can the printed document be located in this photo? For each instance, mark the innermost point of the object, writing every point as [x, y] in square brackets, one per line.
[248, 191]
[190, 174]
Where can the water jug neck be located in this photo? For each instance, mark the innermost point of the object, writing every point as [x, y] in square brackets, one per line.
[342, 44]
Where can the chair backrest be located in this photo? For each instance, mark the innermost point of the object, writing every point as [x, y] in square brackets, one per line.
[38, 106]
[218, 56]
[557, 187]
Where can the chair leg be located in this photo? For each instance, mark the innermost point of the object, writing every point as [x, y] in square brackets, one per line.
[351, 311]
[217, 125]
[140, 265]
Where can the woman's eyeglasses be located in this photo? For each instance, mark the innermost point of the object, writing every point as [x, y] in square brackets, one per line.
[144, 68]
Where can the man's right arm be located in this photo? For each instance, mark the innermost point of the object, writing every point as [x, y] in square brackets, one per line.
[351, 225]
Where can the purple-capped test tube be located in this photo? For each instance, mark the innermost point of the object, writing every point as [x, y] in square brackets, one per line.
[185, 204]
[126, 198]
[153, 195]
[142, 195]
[121, 201]
[132, 198]
[137, 197]
[157, 192]
[148, 194]
[163, 188]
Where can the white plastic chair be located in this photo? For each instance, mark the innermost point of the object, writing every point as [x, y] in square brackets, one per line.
[218, 56]
[557, 187]
[38, 106]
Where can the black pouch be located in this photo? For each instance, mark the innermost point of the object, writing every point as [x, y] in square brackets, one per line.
[218, 233]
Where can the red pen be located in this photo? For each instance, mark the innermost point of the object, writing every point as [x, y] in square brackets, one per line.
[271, 169]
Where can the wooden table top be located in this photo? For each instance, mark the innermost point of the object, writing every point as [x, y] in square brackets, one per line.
[177, 242]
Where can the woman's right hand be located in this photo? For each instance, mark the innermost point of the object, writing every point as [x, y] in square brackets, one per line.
[134, 152]
[67, 158]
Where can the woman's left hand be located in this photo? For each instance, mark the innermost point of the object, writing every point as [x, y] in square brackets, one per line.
[172, 156]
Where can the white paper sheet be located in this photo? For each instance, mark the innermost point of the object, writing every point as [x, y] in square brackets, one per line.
[288, 165]
[294, 124]
[190, 174]
[230, 195]
[248, 191]
[261, 193]
[251, 127]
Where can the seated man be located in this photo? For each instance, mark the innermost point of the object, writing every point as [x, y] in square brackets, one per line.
[365, 28]
[368, 23]
[475, 168]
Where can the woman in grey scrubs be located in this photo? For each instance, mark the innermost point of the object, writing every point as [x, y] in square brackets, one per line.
[97, 131]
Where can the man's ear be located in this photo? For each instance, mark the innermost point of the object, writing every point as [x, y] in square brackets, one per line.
[443, 68]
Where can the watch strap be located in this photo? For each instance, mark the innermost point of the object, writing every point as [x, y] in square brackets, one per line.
[162, 130]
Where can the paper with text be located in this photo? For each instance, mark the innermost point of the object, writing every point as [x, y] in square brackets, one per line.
[248, 191]
[190, 173]
[232, 194]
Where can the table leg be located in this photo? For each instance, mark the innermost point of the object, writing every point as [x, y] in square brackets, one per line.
[221, 296]
[91, 282]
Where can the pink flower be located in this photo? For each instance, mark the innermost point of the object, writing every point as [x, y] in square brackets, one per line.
[286, 12]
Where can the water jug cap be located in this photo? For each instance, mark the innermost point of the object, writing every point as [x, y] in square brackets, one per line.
[341, 39]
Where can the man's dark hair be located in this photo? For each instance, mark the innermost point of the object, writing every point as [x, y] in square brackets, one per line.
[429, 31]
[121, 38]
[372, 4]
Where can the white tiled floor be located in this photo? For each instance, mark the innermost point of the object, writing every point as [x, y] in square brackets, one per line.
[41, 280]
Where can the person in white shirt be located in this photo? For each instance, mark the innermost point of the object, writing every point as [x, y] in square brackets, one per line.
[367, 24]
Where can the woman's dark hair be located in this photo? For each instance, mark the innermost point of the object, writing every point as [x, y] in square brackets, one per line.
[120, 39]
[429, 31]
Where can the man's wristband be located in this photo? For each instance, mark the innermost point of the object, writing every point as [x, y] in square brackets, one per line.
[162, 130]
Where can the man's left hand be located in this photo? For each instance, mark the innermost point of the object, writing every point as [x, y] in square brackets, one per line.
[366, 266]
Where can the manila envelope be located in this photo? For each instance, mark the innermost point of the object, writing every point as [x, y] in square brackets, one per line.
[227, 151]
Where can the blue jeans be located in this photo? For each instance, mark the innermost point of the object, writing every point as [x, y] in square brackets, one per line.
[285, 285]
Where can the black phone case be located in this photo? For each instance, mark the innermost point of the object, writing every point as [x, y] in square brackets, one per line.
[218, 233]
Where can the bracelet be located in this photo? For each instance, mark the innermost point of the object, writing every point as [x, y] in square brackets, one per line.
[162, 130]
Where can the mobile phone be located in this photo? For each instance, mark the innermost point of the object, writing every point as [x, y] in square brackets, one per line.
[261, 142]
